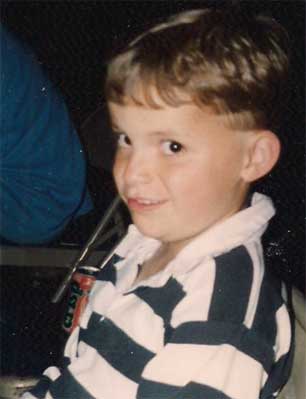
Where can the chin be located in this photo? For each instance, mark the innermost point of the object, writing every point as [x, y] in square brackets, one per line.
[149, 230]
[149, 233]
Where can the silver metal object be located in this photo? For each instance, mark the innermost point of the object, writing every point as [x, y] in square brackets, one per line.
[106, 218]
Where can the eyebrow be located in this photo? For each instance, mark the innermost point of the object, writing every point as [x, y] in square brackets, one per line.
[114, 125]
[116, 129]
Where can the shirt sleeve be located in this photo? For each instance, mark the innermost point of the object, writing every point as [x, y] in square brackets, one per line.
[210, 360]
[51, 374]
[42, 165]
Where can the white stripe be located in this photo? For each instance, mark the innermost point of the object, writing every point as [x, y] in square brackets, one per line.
[99, 378]
[72, 344]
[53, 373]
[143, 325]
[177, 364]
[102, 297]
[236, 374]
[255, 251]
[199, 287]
[221, 367]
[283, 337]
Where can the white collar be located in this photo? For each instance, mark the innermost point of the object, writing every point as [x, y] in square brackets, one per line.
[245, 226]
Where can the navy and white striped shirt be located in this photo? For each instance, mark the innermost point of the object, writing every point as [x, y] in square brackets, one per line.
[211, 325]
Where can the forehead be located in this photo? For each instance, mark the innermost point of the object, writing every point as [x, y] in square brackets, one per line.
[187, 118]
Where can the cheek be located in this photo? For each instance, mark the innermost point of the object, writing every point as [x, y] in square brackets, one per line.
[187, 183]
[198, 184]
[117, 171]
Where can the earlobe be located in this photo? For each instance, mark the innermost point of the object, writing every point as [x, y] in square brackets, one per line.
[262, 154]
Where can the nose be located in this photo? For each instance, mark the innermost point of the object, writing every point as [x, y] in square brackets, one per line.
[137, 168]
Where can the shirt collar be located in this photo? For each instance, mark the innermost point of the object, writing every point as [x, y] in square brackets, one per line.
[243, 227]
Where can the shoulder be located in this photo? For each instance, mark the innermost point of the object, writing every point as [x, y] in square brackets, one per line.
[218, 288]
[18, 59]
[234, 287]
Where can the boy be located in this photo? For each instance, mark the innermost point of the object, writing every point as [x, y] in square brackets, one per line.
[186, 308]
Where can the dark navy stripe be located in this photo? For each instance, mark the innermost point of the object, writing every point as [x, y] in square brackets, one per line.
[162, 300]
[218, 333]
[65, 361]
[199, 391]
[168, 333]
[154, 390]
[233, 283]
[268, 303]
[67, 387]
[109, 273]
[116, 347]
[41, 387]
[279, 375]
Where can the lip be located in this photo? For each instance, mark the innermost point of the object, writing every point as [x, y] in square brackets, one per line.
[143, 205]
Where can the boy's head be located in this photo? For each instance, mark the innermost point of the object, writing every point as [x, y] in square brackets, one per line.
[235, 63]
[194, 102]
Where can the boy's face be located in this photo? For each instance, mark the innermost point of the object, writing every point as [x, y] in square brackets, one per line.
[177, 169]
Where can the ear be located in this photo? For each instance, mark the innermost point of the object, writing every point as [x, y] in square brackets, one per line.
[262, 153]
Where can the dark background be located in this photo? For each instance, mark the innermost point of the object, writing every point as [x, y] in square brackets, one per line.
[73, 40]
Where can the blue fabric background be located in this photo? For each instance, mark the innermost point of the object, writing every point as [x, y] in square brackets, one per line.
[42, 165]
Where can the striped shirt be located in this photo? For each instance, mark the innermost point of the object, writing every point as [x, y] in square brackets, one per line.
[211, 325]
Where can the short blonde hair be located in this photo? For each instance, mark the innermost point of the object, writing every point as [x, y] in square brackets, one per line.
[234, 63]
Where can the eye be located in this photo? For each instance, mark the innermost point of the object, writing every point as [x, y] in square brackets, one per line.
[170, 147]
[123, 140]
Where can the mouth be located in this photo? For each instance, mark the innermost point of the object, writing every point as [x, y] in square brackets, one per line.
[143, 204]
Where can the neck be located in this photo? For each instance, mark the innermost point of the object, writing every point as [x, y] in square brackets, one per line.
[158, 262]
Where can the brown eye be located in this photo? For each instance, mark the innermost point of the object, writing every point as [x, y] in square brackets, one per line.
[171, 147]
[123, 140]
